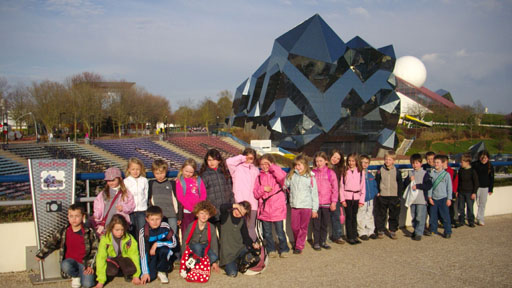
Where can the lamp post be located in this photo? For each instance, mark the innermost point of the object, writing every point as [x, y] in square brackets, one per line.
[33, 118]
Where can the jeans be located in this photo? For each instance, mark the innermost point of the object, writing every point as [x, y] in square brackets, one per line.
[269, 237]
[481, 200]
[138, 220]
[441, 208]
[419, 217]
[75, 269]
[198, 249]
[465, 201]
[158, 262]
[232, 267]
[337, 230]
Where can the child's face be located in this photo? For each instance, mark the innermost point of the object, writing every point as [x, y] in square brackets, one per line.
[188, 171]
[203, 216]
[213, 163]
[265, 165]
[154, 221]
[239, 213]
[320, 162]
[160, 175]
[416, 165]
[430, 160]
[445, 164]
[300, 167]
[351, 162]
[438, 164]
[388, 161]
[75, 218]
[335, 158]
[365, 163]
[464, 164]
[113, 183]
[484, 159]
[134, 170]
[118, 231]
[249, 159]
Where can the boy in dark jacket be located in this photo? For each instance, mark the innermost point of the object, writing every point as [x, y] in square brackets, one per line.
[468, 186]
[390, 185]
[78, 246]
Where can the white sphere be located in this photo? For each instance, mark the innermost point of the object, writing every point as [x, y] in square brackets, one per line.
[411, 69]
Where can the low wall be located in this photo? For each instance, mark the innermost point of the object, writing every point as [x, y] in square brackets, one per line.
[17, 236]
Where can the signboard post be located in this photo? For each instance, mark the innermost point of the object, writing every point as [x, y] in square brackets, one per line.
[52, 182]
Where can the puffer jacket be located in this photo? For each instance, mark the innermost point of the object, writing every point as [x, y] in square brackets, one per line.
[129, 249]
[271, 205]
[243, 176]
[127, 203]
[303, 191]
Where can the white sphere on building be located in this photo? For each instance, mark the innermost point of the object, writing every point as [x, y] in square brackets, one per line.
[411, 69]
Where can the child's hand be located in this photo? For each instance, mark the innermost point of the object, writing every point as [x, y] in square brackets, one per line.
[414, 187]
[431, 201]
[378, 194]
[267, 188]
[215, 267]
[119, 208]
[344, 204]
[473, 196]
[99, 285]
[490, 193]
[412, 178]
[448, 203]
[39, 259]
[333, 207]
[314, 214]
[178, 222]
[89, 271]
[361, 205]
[136, 280]
[255, 245]
[100, 229]
[152, 252]
[144, 279]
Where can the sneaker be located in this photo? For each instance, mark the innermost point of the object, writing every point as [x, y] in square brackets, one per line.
[325, 246]
[373, 236]
[380, 235]
[272, 254]
[283, 255]
[357, 241]
[163, 277]
[75, 282]
[351, 242]
[338, 241]
[297, 251]
[317, 247]
[364, 238]
[392, 235]
[481, 224]
[448, 236]
[416, 238]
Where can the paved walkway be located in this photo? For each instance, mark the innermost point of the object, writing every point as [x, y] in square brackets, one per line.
[473, 257]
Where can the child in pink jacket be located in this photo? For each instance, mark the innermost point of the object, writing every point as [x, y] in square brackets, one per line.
[244, 172]
[114, 199]
[190, 190]
[327, 184]
[272, 204]
[352, 193]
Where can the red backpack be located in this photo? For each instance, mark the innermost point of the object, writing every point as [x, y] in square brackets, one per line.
[194, 268]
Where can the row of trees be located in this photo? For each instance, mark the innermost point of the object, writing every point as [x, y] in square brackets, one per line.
[86, 100]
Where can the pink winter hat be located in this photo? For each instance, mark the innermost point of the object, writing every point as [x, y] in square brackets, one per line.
[112, 173]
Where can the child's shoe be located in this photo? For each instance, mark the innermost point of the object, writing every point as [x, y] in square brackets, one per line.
[427, 233]
[472, 225]
[448, 236]
[75, 282]
[416, 237]
[163, 277]
[338, 241]
[392, 235]
[297, 251]
[283, 255]
[364, 238]
[272, 254]
[317, 247]
[373, 236]
[380, 235]
[325, 246]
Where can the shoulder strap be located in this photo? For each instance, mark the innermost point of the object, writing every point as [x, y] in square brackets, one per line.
[192, 229]
[110, 207]
[183, 185]
[439, 179]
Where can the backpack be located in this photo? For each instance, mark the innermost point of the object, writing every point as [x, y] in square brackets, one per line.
[254, 262]
[184, 185]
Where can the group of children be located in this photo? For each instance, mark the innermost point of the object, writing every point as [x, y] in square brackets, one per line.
[227, 197]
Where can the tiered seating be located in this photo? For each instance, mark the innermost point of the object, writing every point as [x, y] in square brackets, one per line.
[32, 151]
[142, 148]
[11, 190]
[10, 167]
[199, 145]
[86, 160]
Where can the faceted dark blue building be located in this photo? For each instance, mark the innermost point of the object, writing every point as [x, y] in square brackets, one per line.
[316, 92]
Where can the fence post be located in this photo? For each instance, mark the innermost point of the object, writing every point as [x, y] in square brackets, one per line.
[87, 193]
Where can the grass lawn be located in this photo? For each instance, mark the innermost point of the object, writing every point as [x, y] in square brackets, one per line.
[452, 147]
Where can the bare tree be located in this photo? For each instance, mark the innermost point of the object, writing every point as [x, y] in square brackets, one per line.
[20, 103]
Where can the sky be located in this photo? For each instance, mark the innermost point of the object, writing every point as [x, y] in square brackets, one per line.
[189, 50]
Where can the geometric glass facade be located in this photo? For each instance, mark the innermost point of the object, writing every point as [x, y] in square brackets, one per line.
[316, 92]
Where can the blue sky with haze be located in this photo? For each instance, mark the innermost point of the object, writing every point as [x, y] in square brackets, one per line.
[187, 50]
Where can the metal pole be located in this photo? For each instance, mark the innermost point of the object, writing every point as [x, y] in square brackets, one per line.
[88, 194]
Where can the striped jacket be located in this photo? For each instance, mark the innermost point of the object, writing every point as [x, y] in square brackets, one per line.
[162, 236]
